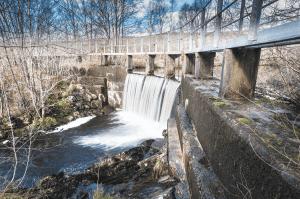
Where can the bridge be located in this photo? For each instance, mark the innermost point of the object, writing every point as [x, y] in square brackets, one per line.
[197, 41]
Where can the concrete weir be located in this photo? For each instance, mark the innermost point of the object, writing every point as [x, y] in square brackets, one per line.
[222, 157]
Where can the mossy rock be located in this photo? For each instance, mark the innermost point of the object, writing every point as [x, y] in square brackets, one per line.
[220, 104]
[244, 120]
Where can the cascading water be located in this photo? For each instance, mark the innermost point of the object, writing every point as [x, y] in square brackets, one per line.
[150, 97]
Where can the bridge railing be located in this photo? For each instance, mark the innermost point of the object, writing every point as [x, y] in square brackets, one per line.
[218, 25]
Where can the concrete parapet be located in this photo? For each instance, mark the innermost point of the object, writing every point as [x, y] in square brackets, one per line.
[204, 64]
[235, 149]
[201, 178]
[239, 72]
[175, 160]
[150, 65]
[169, 69]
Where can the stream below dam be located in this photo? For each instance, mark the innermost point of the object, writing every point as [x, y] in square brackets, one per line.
[74, 147]
[77, 148]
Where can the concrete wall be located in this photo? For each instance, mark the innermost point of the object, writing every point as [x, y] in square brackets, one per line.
[242, 162]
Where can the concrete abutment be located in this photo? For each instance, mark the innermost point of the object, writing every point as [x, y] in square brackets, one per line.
[239, 73]
[204, 64]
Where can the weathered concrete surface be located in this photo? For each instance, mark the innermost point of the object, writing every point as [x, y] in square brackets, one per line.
[175, 160]
[204, 63]
[169, 70]
[188, 65]
[239, 73]
[242, 161]
[104, 60]
[201, 179]
[128, 63]
[150, 65]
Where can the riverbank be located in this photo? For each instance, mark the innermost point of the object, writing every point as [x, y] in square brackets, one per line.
[69, 101]
[140, 172]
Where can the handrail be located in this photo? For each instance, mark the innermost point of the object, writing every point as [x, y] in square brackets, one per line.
[185, 37]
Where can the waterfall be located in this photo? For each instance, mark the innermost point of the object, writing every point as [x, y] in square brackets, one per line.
[149, 97]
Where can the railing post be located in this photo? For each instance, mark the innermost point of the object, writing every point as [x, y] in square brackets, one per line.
[96, 46]
[76, 47]
[241, 18]
[149, 43]
[127, 46]
[181, 43]
[134, 45]
[120, 46]
[191, 35]
[81, 47]
[169, 41]
[255, 18]
[141, 44]
[155, 43]
[218, 24]
[111, 46]
[202, 30]
[164, 44]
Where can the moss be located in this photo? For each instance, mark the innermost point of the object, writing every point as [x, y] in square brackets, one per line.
[215, 145]
[275, 138]
[244, 120]
[158, 162]
[10, 196]
[164, 173]
[220, 104]
[99, 195]
[274, 125]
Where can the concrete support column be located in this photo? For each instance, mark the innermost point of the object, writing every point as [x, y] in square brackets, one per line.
[204, 64]
[169, 70]
[104, 60]
[239, 73]
[188, 64]
[129, 63]
[150, 65]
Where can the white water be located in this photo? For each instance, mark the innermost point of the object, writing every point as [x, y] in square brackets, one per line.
[149, 97]
[72, 124]
[128, 130]
[147, 104]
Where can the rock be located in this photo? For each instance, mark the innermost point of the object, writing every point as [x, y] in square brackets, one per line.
[87, 97]
[75, 114]
[72, 98]
[94, 97]
[148, 142]
[169, 193]
[79, 106]
[164, 179]
[86, 106]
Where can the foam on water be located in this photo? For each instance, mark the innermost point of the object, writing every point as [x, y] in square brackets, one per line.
[72, 124]
[129, 130]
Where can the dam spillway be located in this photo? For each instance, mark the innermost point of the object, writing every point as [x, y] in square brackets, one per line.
[149, 97]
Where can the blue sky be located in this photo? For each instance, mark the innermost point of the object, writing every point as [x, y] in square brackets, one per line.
[178, 6]
[181, 2]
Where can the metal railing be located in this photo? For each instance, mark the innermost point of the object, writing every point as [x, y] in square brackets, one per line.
[204, 36]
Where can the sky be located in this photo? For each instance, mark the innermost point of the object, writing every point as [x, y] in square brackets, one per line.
[178, 6]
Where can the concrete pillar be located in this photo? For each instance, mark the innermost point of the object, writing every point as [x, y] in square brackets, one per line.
[150, 65]
[239, 73]
[129, 63]
[104, 60]
[169, 69]
[204, 64]
[188, 64]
